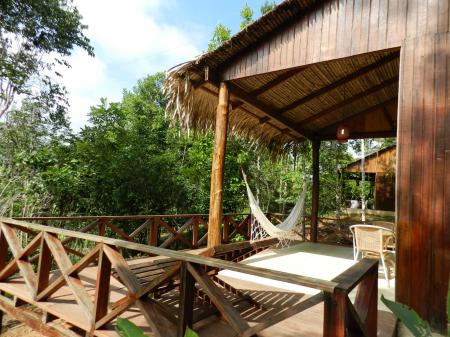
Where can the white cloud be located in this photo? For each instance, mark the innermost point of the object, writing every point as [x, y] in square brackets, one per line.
[130, 41]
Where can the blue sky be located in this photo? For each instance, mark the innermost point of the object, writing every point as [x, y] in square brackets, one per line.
[135, 38]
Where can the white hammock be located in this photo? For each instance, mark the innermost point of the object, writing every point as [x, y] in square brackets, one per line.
[262, 227]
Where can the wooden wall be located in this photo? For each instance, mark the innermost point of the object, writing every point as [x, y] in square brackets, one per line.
[423, 176]
[382, 161]
[342, 28]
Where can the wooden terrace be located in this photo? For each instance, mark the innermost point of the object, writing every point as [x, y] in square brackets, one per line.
[163, 290]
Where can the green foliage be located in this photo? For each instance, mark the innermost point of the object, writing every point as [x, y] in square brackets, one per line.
[246, 16]
[220, 35]
[267, 7]
[417, 326]
[190, 333]
[125, 328]
[35, 36]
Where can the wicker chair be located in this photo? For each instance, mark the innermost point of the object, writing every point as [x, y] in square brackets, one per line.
[374, 242]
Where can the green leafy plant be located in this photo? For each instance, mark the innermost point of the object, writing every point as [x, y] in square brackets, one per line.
[190, 333]
[409, 317]
[125, 328]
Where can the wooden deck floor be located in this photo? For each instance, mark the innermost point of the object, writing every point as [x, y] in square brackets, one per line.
[274, 299]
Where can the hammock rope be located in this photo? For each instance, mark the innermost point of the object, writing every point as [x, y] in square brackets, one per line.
[262, 227]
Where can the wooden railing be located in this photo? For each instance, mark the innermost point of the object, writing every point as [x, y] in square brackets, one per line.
[176, 231]
[186, 231]
[64, 292]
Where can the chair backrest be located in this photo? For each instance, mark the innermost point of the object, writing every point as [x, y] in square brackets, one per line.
[369, 238]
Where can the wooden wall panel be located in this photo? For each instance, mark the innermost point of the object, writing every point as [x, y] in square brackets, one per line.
[423, 191]
[342, 28]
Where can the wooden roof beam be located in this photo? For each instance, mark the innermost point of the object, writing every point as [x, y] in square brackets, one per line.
[342, 81]
[348, 101]
[359, 113]
[267, 110]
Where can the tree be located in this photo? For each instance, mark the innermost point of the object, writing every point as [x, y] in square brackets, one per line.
[35, 36]
[267, 7]
[221, 34]
[246, 16]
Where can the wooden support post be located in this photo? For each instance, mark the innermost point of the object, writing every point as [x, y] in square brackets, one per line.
[423, 179]
[315, 189]
[186, 309]
[220, 140]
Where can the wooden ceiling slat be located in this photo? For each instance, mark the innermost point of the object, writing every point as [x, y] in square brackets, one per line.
[348, 101]
[342, 81]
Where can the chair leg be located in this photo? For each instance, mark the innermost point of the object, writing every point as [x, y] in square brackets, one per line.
[385, 270]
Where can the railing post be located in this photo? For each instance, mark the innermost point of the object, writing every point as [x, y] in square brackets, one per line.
[226, 229]
[335, 312]
[195, 231]
[153, 232]
[186, 309]
[101, 228]
[366, 301]
[102, 287]
[44, 266]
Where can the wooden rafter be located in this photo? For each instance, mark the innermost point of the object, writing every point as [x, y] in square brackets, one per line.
[276, 81]
[342, 81]
[268, 111]
[361, 95]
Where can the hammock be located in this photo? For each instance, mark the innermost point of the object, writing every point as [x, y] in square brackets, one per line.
[261, 227]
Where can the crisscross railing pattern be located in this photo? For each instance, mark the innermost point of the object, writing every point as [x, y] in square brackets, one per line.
[84, 295]
[177, 231]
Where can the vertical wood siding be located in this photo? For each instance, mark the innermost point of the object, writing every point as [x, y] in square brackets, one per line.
[423, 170]
[342, 28]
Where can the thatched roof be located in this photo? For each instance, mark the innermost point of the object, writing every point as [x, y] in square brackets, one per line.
[264, 107]
[194, 108]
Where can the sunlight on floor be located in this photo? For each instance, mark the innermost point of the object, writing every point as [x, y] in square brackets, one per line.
[320, 261]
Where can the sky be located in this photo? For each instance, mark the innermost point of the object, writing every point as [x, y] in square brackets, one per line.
[136, 38]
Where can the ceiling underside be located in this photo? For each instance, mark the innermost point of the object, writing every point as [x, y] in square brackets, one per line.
[359, 92]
